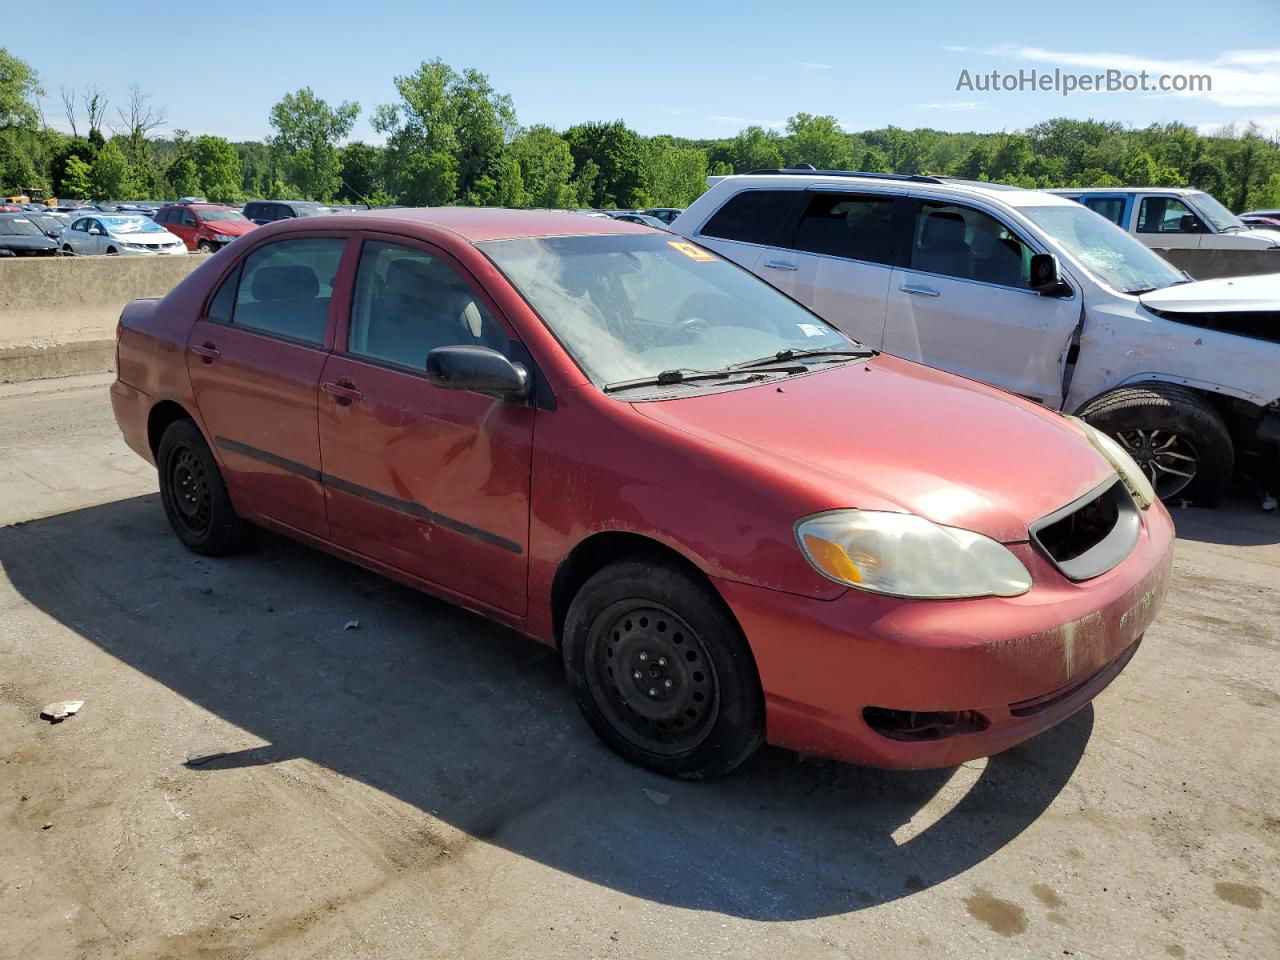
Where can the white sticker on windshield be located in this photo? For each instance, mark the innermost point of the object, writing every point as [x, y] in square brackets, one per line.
[811, 329]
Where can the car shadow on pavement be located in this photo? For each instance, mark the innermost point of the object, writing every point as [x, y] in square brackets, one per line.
[473, 723]
[1236, 523]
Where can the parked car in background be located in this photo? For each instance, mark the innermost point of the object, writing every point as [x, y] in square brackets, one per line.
[630, 449]
[1028, 291]
[1261, 218]
[119, 233]
[641, 218]
[50, 223]
[20, 236]
[1174, 217]
[205, 227]
[665, 214]
[269, 211]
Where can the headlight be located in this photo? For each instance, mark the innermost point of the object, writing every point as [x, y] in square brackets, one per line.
[223, 238]
[1131, 475]
[903, 555]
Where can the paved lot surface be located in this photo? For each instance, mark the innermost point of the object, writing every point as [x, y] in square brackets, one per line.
[422, 786]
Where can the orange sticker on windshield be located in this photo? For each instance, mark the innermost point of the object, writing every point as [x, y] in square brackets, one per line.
[693, 252]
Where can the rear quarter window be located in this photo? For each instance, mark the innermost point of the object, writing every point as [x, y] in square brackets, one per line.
[753, 216]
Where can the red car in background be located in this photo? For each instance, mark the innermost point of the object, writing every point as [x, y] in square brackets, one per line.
[735, 523]
[205, 227]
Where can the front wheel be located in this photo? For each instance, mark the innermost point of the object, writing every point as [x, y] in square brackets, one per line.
[204, 246]
[194, 494]
[1179, 440]
[67, 251]
[662, 672]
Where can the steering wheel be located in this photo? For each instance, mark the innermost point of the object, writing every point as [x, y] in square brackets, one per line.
[690, 327]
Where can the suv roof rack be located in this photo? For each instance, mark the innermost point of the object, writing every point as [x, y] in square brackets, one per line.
[914, 177]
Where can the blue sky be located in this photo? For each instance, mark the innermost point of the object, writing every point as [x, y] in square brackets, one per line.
[692, 69]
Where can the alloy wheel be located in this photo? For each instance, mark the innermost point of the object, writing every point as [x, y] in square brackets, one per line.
[1168, 459]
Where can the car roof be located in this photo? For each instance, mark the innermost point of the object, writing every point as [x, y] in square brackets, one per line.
[1181, 191]
[1001, 192]
[477, 224]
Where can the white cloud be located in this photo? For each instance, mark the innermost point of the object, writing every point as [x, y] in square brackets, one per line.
[815, 66]
[1239, 78]
[955, 106]
[1269, 122]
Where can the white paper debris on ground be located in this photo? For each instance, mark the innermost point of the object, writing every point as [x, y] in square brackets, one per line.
[657, 796]
[57, 712]
[351, 625]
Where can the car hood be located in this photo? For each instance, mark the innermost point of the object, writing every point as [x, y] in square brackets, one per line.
[1261, 233]
[232, 228]
[888, 434]
[1225, 294]
[28, 243]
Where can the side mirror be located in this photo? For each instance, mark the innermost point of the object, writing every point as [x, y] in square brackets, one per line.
[1187, 223]
[1044, 276]
[480, 369]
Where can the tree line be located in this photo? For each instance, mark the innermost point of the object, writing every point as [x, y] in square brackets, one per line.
[451, 138]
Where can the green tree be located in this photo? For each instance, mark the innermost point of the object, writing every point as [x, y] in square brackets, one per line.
[818, 141]
[755, 148]
[307, 131]
[362, 172]
[19, 87]
[77, 180]
[609, 157]
[674, 175]
[110, 176]
[218, 167]
[447, 131]
[546, 168]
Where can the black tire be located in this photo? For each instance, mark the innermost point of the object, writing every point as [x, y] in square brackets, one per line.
[1169, 428]
[662, 672]
[204, 246]
[194, 494]
[112, 252]
[67, 251]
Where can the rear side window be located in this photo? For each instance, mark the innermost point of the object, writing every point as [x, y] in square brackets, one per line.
[285, 288]
[1110, 207]
[844, 225]
[408, 302]
[753, 216]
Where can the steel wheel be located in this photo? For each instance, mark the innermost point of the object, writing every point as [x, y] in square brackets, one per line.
[650, 674]
[190, 494]
[1168, 459]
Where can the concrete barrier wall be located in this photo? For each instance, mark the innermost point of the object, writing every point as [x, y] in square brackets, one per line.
[1208, 264]
[58, 314]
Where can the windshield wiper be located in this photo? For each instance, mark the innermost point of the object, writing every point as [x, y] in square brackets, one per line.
[669, 377]
[782, 355]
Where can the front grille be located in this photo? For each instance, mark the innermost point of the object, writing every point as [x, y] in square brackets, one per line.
[1088, 537]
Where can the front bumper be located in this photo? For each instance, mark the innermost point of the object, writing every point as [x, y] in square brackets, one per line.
[1024, 663]
[152, 252]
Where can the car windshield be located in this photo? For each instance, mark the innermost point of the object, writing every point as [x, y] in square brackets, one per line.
[311, 210]
[131, 225]
[19, 227]
[221, 215]
[628, 307]
[1214, 212]
[1109, 253]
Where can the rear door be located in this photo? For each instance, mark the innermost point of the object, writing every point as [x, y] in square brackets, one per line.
[433, 482]
[749, 229]
[841, 258]
[963, 302]
[255, 357]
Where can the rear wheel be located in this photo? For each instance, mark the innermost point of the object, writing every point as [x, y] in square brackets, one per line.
[1176, 437]
[662, 672]
[193, 492]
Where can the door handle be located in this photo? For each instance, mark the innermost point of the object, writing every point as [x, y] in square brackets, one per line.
[780, 265]
[918, 290]
[343, 392]
[206, 351]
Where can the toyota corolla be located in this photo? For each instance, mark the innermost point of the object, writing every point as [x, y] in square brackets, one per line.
[736, 524]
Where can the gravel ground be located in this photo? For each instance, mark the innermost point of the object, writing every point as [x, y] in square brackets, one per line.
[422, 786]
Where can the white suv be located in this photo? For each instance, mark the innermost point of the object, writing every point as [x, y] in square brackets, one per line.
[1027, 291]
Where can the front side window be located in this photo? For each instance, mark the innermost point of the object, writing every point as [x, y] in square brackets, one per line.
[627, 307]
[753, 216]
[1114, 256]
[1110, 207]
[958, 241]
[285, 288]
[1167, 215]
[408, 302]
[841, 225]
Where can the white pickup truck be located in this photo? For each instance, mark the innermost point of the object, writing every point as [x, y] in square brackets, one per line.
[1030, 292]
[1175, 218]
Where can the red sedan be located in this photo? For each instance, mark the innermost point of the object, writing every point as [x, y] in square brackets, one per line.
[737, 524]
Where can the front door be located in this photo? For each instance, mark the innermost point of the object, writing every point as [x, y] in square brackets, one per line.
[255, 358]
[431, 481]
[1168, 222]
[964, 303]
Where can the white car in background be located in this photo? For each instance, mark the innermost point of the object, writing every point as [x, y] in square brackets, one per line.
[1029, 292]
[126, 234]
[1174, 218]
